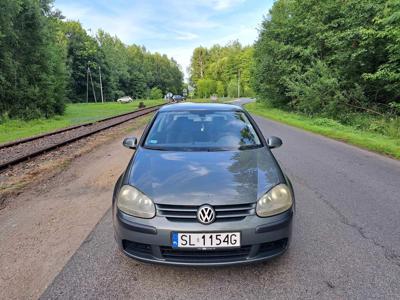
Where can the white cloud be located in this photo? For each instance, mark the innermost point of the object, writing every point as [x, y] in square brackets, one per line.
[126, 23]
[181, 54]
[224, 4]
[191, 6]
[173, 27]
[186, 36]
[74, 11]
[199, 23]
[245, 34]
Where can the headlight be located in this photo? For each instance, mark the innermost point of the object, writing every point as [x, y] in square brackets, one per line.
[277, 200]
[133, 202]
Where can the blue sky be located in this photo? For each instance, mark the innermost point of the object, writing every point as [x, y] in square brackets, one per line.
[173, 27]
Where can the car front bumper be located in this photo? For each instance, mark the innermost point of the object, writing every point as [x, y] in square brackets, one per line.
[149, 240]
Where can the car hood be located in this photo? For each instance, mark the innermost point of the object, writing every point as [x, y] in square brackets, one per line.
[195, 178]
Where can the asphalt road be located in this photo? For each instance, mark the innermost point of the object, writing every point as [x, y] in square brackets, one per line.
[346, 239]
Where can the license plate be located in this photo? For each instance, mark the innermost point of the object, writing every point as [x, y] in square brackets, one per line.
[206, 240]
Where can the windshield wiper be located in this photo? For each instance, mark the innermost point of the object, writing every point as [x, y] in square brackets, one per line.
[156, 148]
[219, 149]
[246, 147]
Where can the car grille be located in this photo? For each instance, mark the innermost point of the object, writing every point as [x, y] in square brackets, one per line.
[204, 256]
[188, 213]
[172, 254]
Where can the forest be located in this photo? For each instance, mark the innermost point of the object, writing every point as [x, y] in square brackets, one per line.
[44, 61]
[335, 59]
[222, 70]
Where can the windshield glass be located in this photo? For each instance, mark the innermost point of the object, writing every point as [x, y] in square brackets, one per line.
[202, 130]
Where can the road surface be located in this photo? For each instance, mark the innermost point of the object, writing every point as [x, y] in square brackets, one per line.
[346, 239]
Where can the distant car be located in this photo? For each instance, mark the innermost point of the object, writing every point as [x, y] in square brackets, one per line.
[203, 188]
[177, 98]
[125, 99]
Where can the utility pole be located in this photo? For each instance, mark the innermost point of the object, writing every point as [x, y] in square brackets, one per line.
[91, 80]
[238, 83]
[87, 85]
[101, 87]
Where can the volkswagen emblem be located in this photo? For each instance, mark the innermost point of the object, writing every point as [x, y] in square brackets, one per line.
[206, 214]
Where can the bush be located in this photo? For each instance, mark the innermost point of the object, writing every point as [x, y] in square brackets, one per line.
[367, 122]
[206, 88]
[315, 91]
[156, 93]
[393, 128]
[220, 89]
[326, 122]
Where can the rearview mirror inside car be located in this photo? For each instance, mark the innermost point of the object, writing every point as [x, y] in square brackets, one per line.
[274, 142]
[130, 142]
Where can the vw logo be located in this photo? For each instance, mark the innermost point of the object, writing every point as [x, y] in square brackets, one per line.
[206, 214]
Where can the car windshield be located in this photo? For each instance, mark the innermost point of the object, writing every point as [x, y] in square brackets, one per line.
[202, 131]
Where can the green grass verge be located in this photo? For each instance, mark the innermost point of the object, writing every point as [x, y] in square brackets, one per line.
[371, 141]
[75, 114]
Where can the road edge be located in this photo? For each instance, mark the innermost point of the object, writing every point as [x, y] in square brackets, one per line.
[329, 133]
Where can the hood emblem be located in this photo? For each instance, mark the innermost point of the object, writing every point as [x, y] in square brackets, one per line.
[206, 214]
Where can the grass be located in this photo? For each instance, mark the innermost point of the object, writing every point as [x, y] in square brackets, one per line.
[46, 169]
[75, 114]
[327, 127]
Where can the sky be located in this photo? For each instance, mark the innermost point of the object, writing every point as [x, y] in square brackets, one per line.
[172, 27]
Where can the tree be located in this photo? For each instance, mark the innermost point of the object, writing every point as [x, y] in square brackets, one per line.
[32, 60]
[126, 70]
[206, 88]
[221, 64]
[83, 53]
[44, 62]
[232, 88]
[198, 63]
[163, 73]
[387, 34]
[306, 49]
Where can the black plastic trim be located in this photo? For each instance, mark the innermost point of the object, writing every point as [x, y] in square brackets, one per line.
[135, 226]
[285, 221]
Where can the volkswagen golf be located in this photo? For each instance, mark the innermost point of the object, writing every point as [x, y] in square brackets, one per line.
[203, 188]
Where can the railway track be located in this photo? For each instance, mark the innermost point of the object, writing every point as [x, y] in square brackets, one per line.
[18, 151]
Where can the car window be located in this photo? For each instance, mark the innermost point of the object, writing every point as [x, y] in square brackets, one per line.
[202, 130]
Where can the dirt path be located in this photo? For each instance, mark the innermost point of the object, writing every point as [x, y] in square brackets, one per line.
[42, 227]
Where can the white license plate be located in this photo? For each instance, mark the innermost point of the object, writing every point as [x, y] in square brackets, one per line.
[206, 240]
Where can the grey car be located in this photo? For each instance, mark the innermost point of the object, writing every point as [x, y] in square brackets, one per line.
[203, 188]
[177, 98]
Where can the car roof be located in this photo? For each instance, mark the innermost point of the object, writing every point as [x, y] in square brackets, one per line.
[200, 106]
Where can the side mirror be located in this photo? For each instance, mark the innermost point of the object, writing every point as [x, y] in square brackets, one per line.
[274, 142]
[130, 142]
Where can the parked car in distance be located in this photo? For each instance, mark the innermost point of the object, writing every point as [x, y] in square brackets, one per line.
[203, 188]
[125, 99]
[177, 98]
